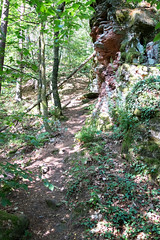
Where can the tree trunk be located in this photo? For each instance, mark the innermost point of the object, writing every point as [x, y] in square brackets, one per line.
[3, 33]
[56, 97]
[18, 97]
[39, 80]
[43, 79]
[60, 84]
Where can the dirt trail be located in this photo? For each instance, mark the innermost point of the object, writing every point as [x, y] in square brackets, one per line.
[129, 200]
[51, 161]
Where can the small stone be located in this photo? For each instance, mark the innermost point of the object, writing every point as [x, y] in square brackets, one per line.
[44, 169]
[100, 216]
[51, 203]
[16, 208]
[137, 112]
[94, 217]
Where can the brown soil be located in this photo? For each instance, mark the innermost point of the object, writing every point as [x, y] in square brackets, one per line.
[51, 162]
[51, 218]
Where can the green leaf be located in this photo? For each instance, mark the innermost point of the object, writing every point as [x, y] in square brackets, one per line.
[26, 52]
[51, 187]
[91, 8]
[51, 11]
[157, 26]
[157, 37]
[34, 67]
[48, 184]
[75, 6]
[5, 202]
[57, 22]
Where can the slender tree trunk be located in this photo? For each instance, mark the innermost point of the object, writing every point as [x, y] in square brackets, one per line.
[39, 80]
[18, 97]
[43, 79]
[3, 33]
[56, 97]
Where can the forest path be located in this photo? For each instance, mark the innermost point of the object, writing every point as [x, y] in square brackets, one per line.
[108, 196]
[50, 218]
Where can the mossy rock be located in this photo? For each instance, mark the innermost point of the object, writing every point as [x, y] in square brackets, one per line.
[122, 15]
[154, 164]
[150, 149]
[137, 145]
[137, 112]
[142, 19]
[12, 227]
[131, 55]
[103, 122]
[155, 122]
[144, 98]
[127, 142]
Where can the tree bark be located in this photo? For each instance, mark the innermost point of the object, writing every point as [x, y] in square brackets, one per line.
[18, 97]
[55, 93]
[39, 80]
[3, 34]
[54, 81]
[43, 79]
[60, 84]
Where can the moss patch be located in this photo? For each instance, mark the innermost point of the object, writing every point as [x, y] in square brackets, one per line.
[122, 15]
[151, 150]
[145, 97]
[138, 146]
[127, 142]
[12, 226]
[131, 54]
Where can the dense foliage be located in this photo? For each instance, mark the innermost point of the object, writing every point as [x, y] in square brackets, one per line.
[144, 99]
[22, 70]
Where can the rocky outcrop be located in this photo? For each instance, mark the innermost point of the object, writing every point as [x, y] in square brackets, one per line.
[123, 34]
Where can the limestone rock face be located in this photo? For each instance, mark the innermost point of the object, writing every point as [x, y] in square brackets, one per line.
[107, 46]
[123, 35]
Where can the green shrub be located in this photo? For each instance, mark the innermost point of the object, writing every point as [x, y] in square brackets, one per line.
[87, 134]
[10, 179]
[36, 141]
[144, 98]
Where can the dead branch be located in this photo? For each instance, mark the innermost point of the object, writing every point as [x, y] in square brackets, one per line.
[59, 85]
[17, 70]
[78, 68]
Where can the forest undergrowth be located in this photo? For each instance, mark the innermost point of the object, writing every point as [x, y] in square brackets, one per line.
[92, 191]
[113, 198]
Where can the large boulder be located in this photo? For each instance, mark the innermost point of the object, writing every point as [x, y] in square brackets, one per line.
[12, 227]
[142, 140]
